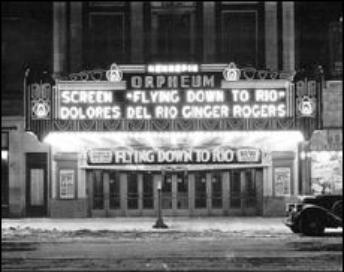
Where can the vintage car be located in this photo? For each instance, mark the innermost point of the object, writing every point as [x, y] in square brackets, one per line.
[315, 213]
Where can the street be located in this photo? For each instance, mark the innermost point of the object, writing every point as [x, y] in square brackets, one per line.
[269, 248]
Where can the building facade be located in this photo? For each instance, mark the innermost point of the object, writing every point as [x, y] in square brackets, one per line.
[211, 102]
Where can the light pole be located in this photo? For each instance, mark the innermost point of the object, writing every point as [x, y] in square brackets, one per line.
[159, 224]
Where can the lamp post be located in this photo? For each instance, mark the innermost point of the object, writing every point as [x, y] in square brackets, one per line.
[159, 224]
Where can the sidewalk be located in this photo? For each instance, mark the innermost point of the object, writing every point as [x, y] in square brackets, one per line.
[145, 224]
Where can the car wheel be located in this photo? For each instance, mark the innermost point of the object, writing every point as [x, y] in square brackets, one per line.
[295, 229]
[311, 224]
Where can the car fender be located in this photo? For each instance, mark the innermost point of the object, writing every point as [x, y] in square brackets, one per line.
[309, 208]
[327, 216]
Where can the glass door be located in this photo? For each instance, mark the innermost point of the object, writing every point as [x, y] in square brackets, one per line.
[97, 195]
[200, 196]
[148, 192]
[114, 193]
[216, 193]
[182, 193]
[132, 193]
[105, 192]
[235, 191]
[243, 191]
[166, 192]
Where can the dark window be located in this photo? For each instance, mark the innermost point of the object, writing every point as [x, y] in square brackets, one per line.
[239, 37]
[174, 32]
[133, 194]
[4, 173]
[106, 38]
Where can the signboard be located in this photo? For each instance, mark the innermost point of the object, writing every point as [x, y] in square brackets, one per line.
[327, 140]
[282, 176]
[332, 98]
[100, 156]
[175, 156]
[67, 184]
[169, 97]
[188, 95]
[248, 155]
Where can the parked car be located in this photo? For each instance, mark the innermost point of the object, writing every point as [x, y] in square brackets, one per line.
[315, 213]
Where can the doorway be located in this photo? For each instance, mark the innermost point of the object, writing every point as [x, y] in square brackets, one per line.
[225, 192]
[36, 185]
[245, 191]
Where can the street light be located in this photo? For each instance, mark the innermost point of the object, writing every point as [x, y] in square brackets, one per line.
[159, 224]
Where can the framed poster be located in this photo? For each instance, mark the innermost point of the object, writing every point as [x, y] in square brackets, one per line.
[282, 181]
[67, 184]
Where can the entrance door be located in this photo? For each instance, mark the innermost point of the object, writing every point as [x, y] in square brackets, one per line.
[105, 192]
[166, 194]
[201, 195]
[133, 194]
[148, 194]
[36, 185]
[182, 193]
[244, 191]
[216, 192]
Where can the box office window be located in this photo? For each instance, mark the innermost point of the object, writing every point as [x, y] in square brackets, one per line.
[4, 169]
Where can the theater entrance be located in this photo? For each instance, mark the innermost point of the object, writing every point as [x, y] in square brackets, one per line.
[196, 193]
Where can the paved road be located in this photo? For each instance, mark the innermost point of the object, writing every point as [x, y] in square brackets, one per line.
[87, 250]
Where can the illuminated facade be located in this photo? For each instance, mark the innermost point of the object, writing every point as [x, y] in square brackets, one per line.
[221, 119]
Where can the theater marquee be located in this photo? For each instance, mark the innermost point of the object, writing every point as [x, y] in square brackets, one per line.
[185, 96]
[170, 97]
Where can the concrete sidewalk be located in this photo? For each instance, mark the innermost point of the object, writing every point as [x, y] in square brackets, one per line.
[145, 224]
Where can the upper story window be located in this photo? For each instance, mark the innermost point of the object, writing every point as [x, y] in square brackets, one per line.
[173, 31]
[106, 34]
[240, 33]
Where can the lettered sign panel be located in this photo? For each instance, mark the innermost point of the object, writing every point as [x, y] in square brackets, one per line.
[172, 96]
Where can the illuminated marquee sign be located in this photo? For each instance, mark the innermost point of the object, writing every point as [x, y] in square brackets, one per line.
[190, 156]
[170, 96]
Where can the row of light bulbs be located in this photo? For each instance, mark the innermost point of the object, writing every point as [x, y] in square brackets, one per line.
[172, 68]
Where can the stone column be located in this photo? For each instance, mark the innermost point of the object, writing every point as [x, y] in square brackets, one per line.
[288, 36]
[75, 36]
[59, 38]
[209, 32]
[137, 32]
[271, 39]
